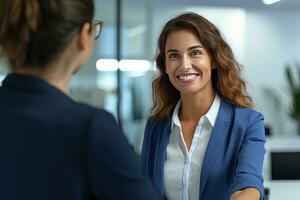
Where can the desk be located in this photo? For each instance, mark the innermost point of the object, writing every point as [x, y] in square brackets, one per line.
[279, 144]
[283, 190]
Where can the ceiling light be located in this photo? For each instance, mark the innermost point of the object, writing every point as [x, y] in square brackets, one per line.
[269, 2]
[134, 65]
[107, 65]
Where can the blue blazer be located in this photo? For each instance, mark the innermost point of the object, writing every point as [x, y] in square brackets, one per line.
[52, 148]
[233, 159]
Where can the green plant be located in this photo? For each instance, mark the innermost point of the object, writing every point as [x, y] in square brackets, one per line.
[294, 89]
[272, 97]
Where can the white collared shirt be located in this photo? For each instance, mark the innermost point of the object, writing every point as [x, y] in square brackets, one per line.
[182, 166]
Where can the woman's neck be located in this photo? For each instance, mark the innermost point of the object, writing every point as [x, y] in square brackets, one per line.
[193, 107]
[54, 77]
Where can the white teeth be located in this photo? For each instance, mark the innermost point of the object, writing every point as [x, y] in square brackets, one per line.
[187, 77]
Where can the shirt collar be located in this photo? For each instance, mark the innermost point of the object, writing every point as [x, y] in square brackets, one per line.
[175, 118]
[211, 115]
[213, 111]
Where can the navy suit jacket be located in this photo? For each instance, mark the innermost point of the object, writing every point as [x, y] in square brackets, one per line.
[233, 159]
[52, 148]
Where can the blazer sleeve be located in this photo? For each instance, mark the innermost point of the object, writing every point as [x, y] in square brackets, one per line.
[113, 168]
[248, 171]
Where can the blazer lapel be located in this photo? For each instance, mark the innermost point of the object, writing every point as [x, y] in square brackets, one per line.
[217, 140]
[161, 155]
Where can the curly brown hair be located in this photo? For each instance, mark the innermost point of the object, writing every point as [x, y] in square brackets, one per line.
[226, 76]
[34, 32]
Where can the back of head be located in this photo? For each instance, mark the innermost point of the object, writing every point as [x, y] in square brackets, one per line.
[33, 32]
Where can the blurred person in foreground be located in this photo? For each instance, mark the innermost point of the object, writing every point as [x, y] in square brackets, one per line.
[203, 140]
[52, 148]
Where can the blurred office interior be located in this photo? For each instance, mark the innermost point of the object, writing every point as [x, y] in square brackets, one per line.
[264, 37]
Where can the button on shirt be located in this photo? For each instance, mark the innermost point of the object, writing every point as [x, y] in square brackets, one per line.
[182, 166]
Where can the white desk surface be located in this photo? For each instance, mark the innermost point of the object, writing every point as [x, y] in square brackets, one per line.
[283, 190]
[281, 144]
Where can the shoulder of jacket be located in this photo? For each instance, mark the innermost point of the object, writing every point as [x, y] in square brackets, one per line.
[247, 112]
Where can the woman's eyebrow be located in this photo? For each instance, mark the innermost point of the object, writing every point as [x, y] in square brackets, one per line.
[195, 47]
[172, 50]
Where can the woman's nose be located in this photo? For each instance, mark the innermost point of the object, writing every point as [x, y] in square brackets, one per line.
[186, 63]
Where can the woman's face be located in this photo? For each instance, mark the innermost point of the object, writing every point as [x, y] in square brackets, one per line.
[188, 63]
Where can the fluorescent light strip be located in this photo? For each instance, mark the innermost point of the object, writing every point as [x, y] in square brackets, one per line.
[269, 2]
[135, 65]
[107, 65]
[123, 65]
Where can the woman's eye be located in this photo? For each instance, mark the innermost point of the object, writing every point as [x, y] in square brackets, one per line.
[196, 53]
[173, 55]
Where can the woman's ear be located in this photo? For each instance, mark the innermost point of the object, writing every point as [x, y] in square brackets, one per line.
[166, 69]
[84, 36]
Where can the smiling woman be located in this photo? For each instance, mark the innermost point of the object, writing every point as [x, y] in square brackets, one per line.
[202, 135]
[188, 63]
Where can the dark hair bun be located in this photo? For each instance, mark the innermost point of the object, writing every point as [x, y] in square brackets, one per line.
[18, 19]
[33, 33]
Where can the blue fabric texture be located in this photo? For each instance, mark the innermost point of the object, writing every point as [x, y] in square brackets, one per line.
[233, 159]
[52, 147]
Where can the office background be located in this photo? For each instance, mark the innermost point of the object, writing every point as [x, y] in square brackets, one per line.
[265, 38]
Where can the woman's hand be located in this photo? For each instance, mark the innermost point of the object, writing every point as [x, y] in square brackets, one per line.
[246, 194]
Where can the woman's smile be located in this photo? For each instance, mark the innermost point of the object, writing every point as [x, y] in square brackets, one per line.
[187, 78]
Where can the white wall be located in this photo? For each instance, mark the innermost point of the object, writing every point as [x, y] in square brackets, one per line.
[272, 40]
